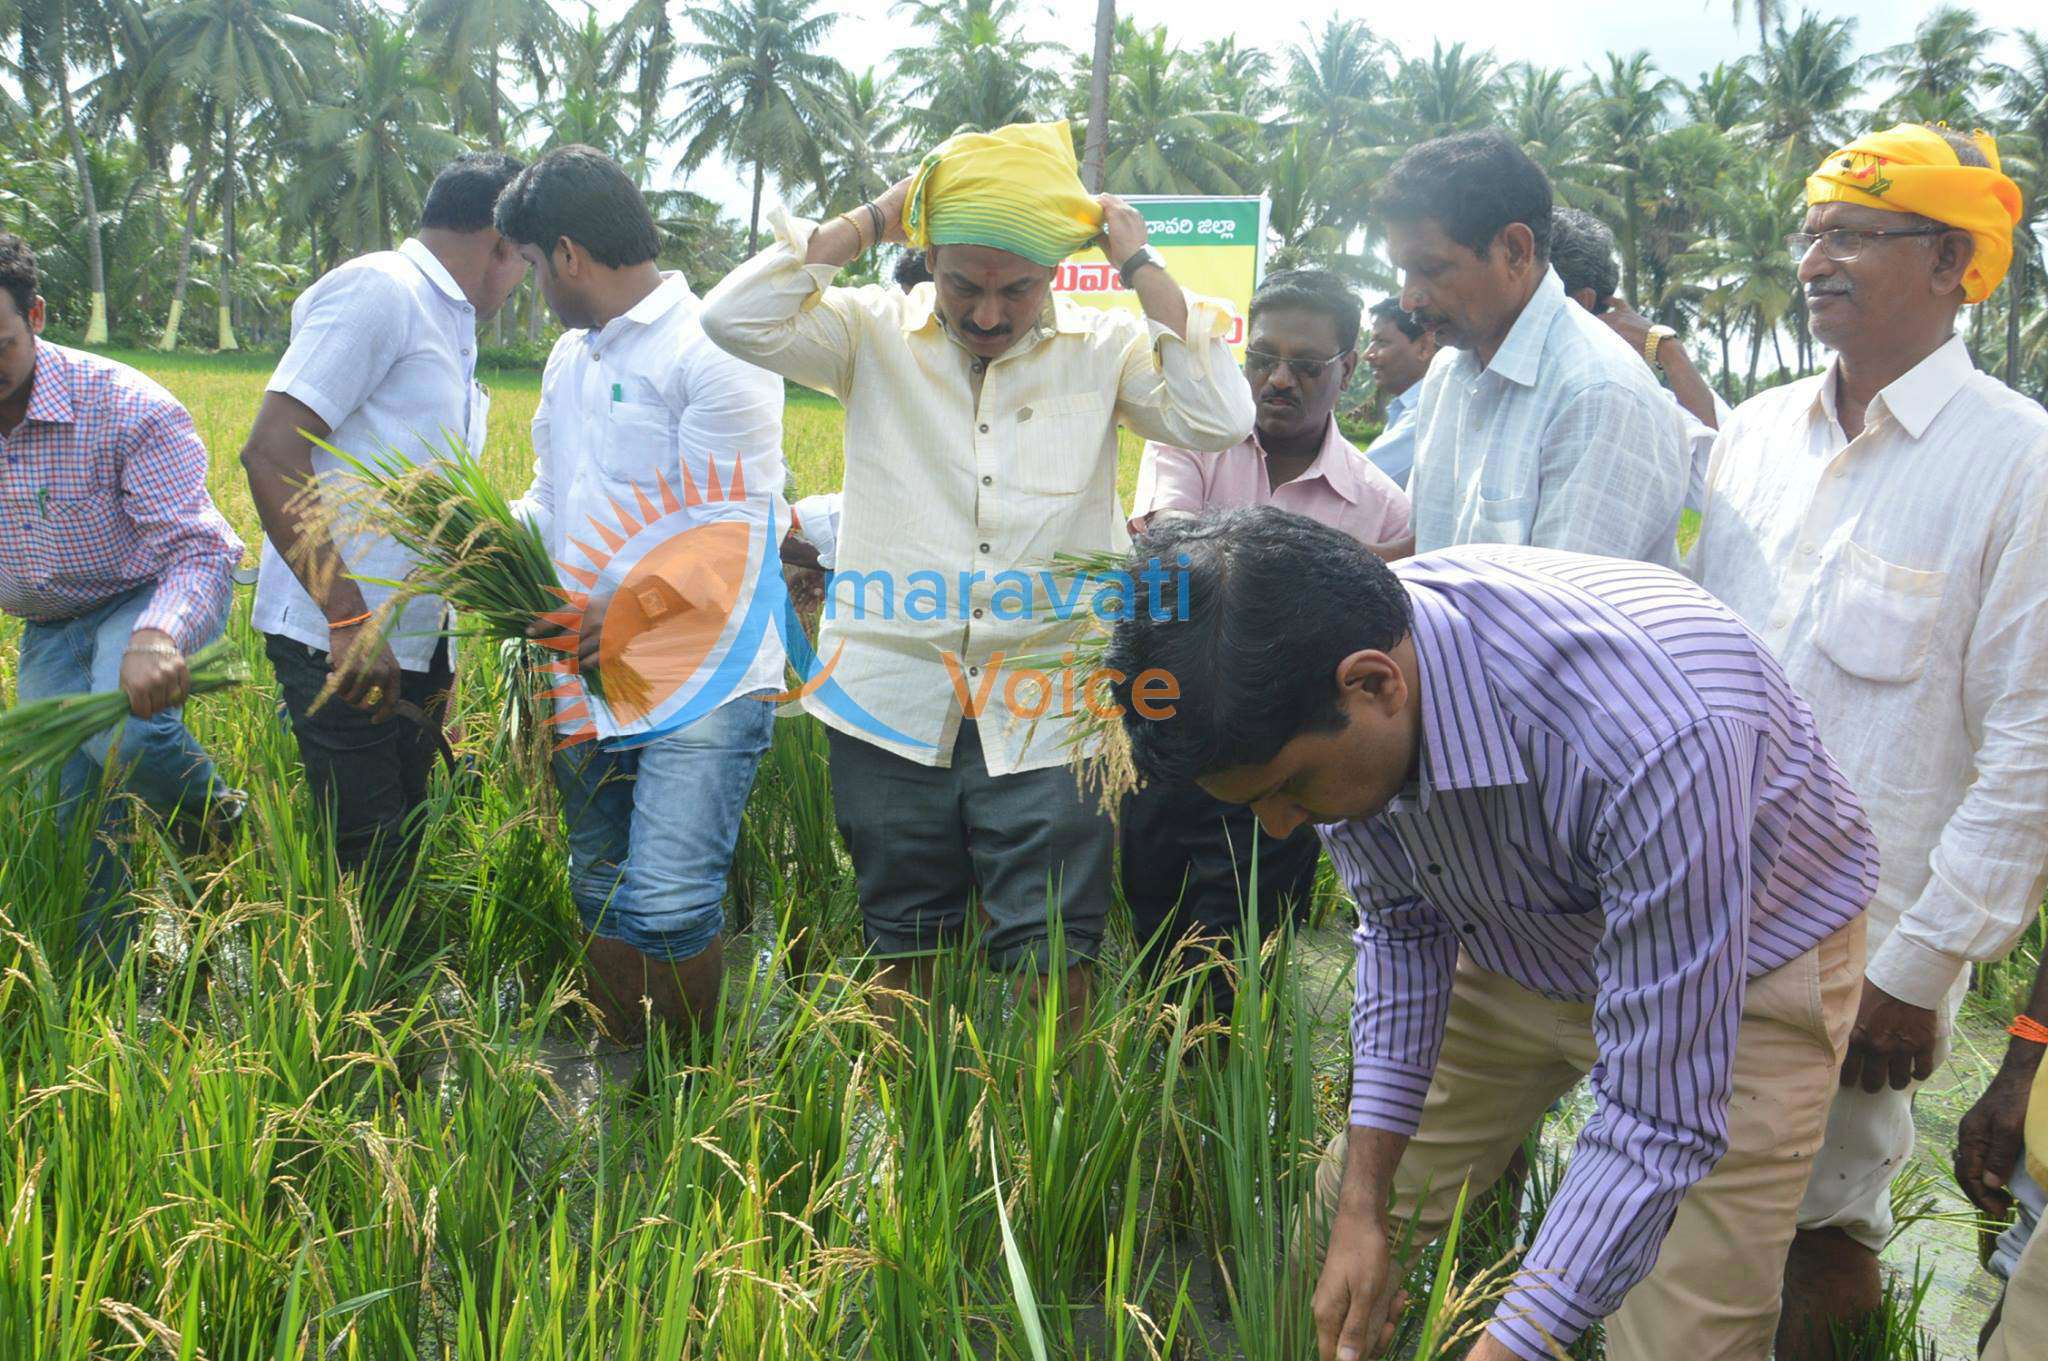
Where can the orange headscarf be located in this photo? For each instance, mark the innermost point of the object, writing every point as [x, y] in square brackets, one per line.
[1913, 169]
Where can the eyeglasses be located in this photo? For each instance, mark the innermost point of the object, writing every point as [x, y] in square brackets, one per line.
[1258, 364]
[1843, 244]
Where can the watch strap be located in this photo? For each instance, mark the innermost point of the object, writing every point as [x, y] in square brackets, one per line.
[1139, 258]
[1653, 341]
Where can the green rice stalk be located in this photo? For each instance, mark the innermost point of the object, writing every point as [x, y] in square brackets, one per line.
[42, 735]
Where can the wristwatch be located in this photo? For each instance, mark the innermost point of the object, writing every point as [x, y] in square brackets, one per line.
[1143, 256]
[1653, 341]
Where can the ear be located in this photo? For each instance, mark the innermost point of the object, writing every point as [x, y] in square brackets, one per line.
[1373, 679]
[1953, 254]
[1520, 244]
[1346, 367]
[38, 313]
[1588, 299]
[567, 257]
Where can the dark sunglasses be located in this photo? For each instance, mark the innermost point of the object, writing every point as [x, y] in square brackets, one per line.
[1259, 364]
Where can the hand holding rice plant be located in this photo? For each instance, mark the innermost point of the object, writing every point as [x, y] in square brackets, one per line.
[44, 734]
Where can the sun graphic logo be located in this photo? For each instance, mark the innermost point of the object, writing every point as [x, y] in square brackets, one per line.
[672, 603]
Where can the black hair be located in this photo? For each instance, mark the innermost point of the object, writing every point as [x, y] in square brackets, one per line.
[461, 197]
[911, 270]
[1472, 185]
[1313, 290]
[1966, 149]
[1390, 310]
[18, 272]
[585, 195]
[1273, 601]
[1582, 253]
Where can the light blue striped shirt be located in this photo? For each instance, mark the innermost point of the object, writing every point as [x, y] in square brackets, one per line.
[1393, 453]
[1620, 802]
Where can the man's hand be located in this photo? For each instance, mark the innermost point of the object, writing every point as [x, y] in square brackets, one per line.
[1123, 229]
[1627, 323]
[1989, 1140]
[1356, 1300]
[1892, 1042]
[365, 672]
[153, 673]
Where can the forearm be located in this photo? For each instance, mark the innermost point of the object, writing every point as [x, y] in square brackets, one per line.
[279, 464]
[838, 243]
[1164, 300]
[1370, 1158]
[2023, 1057]
[1687, 385]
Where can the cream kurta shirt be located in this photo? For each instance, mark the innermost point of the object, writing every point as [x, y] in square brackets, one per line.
[1902, 579]
[949, 485]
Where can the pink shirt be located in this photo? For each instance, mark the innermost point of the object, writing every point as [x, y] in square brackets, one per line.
[1342, 488]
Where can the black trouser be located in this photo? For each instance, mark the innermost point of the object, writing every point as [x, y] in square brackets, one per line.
[1187, 870]
[368, 777]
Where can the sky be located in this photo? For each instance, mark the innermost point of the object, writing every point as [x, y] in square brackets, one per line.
[1684, 37]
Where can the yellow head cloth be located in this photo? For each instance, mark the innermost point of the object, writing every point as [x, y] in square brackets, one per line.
[1912, 169]
[1017, 189]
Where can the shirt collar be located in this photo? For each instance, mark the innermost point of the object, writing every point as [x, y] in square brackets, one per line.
[669, 294]
[1465, 739]
[1915, 397]
[1336, 463]
[1517, 358]
[1398, 405]
[49, 394]
[430, 265]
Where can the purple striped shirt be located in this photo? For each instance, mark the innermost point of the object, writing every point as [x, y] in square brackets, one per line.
[1622, 802]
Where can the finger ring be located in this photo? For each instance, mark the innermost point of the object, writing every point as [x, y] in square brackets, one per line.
[375, 696]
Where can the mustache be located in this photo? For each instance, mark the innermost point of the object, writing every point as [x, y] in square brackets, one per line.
[1829, 288]
[971, 329]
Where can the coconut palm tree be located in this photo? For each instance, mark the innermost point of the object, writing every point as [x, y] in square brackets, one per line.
[1748, 281]
[1450, 90]
[1162, 138]
[1237, 78]
[591, 109]
[972, 69]
[764, 92]
[1725, 98]
[478, 43]
[57, 39]
[1627, 113]
[642, 60]
[1545, 114]
[246, 59]
[1808, 81]
[1937, 73]
[1335, 82]
[860, 140]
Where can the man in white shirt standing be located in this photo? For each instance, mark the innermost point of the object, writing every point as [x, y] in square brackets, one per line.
[981, 421]
[1399, 354]
[382, 361]
[638, 411]
[1884, 528]
[1537, 429]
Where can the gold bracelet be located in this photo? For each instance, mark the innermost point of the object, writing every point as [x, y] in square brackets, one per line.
[850, 220]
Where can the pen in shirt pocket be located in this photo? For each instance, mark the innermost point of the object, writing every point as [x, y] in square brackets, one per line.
[43, 502]
[618, 393]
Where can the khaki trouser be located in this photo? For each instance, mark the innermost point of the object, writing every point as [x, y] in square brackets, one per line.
[2023, 1323]
[1510, 1053]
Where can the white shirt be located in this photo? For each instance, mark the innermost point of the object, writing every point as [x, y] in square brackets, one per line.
[1565, 440]
[817, 524]
[1393, 452]
[383, 350]
[1699, 443]
[1902, 578]
[640, 428]
[945, 483]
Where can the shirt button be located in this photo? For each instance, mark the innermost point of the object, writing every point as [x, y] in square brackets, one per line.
[984, 548]
[1023, 413]
[974, 671]
[984, 429]
[977, 612]
[988, 481]
[1435, 868]
[1468, 927]
[1779, 621]
[1807, 550]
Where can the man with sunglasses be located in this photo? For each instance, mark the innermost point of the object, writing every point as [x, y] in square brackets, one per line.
[1192, 864]
[1536, 428]
[1884, 527]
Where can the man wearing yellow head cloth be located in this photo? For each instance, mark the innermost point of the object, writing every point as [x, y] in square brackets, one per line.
[1884, 526]
[981, 440]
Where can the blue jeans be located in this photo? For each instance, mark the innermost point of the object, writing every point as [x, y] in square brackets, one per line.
[652, 828]
[155, 759]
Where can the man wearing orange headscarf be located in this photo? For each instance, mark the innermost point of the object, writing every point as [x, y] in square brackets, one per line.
[1884, 526]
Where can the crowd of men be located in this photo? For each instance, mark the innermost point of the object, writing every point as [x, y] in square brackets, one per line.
[1724, 844]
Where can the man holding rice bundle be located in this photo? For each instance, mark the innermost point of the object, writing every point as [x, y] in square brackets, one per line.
[112, 552]
[382, 361]
[636, 405]
[981, 422]
[1884, 527]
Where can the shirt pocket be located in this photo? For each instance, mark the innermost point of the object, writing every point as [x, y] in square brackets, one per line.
[1875, 619]
[1057, 442]
[1501, 519]
[639, 444]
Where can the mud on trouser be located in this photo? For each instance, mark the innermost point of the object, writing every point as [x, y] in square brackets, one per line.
[652, 828]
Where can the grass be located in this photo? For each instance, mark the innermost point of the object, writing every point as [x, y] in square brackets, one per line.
[293, 1129]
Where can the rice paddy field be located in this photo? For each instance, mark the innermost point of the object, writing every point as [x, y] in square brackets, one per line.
[291, 1127]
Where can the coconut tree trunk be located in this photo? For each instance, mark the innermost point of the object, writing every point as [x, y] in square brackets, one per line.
[754, 219]
[2015, 290]
[1097, 145]
[1756, 351]
[1631, 220]
[177, 315]
[96, 264]
[227, 233]
[1721, 329]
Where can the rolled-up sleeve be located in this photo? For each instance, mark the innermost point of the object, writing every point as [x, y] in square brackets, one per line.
[783, 315]
[163, 493]
[1674, 859]
[1186, 392]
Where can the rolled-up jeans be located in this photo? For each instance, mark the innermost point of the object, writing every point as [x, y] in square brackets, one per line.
[652, 828]
[155, 759]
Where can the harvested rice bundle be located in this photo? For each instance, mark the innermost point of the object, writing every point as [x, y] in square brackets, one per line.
[43, 735]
